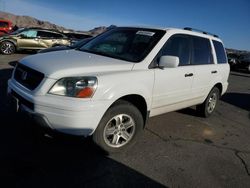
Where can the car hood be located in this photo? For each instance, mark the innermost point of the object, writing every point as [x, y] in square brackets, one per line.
[73, 63]
[56, 48]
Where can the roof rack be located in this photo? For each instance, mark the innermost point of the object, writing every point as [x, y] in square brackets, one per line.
[200, 31]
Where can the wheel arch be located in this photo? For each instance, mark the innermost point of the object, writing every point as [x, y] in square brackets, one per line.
[9, 40]
[139, 102]
[219, 86]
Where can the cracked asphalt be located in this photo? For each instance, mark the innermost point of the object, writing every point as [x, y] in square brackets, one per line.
[177, 149]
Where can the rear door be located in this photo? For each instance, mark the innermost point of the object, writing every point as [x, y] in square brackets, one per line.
[59, 39]
[204, 67]
[49, 39]
[45, 39]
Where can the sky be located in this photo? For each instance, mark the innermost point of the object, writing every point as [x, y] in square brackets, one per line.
[230, 19]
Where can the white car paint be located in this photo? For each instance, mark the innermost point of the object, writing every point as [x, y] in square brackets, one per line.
[163, 90]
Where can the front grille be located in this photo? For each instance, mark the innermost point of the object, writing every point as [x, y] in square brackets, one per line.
[28, 77]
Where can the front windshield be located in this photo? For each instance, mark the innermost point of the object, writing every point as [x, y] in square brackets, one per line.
[129, 44]
[17, 31]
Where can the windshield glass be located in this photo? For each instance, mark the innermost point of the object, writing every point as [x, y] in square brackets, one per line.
[130, 44]
[17, 31]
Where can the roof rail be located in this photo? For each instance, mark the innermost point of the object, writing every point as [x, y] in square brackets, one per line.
[200, 31]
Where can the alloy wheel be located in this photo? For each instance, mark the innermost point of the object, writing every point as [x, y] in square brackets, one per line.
[7, 48]
[212, 103]
[119, 130]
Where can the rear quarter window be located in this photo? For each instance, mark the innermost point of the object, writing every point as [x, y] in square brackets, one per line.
[220, 52]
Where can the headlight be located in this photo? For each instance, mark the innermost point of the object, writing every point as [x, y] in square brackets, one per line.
[80, 87]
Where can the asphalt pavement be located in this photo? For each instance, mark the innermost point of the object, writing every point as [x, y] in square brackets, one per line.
[177, 149]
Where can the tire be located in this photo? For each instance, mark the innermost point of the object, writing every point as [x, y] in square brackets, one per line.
[119, 127]
[7, 48]
[207, 108]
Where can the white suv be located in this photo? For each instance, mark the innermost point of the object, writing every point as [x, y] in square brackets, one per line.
[111, 85]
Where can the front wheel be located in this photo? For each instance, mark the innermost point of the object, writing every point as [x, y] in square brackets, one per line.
[119, 127]
[208, 106]
[7, 48]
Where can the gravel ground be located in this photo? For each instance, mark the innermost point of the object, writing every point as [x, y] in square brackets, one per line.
[177, 149]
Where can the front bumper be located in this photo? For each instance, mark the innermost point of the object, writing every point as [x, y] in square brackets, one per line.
[63, 114]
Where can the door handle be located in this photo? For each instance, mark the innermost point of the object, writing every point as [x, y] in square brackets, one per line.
[214, 72]
[189, 75]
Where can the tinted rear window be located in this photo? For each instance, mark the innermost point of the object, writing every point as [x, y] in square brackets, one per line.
[45, 34]
[201, 51]
[220, 52]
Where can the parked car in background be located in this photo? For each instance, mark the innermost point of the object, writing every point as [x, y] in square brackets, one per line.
[233, 60]
[244, 62]
[64, 47]
[5, 27]
[76, 36]
[31, 39]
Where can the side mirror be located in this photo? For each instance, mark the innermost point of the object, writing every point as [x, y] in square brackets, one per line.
[169, 61]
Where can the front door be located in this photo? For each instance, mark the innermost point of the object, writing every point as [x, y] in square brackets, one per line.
[28, 40]
[173, 86]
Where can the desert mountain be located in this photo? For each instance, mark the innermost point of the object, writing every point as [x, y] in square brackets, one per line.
[27, 21]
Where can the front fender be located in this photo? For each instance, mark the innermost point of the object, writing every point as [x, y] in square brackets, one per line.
[114, 86]
[9, 40]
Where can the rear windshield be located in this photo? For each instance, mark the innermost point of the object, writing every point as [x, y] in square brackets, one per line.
[129, 44]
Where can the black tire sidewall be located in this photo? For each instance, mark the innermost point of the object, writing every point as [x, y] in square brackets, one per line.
[116, 109]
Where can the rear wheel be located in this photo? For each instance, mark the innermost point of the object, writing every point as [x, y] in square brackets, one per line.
[7, 48]
[208, 106]
[119, 127]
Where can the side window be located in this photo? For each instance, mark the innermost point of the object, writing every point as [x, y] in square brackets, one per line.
[29, 33]
[178, 45]
[220, 52]
[56, 35]
[202, 53]
[44, 34]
